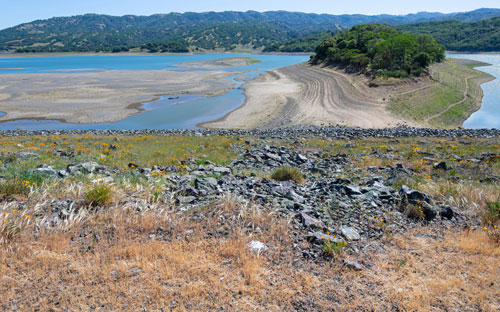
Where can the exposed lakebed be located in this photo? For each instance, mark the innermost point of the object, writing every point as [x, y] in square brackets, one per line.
[185, 111]
[182, 111]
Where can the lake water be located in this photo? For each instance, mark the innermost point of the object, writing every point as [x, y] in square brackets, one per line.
[187, 111]
[489, 114]
[169, 112]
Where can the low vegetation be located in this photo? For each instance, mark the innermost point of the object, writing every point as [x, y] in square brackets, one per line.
[451, 95]
[288, 174]
[147, 252]
[98, 194]
[380, 50]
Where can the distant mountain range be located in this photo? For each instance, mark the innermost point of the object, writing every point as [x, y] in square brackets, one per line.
[181, 32]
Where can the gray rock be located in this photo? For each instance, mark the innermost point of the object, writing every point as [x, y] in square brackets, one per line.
[301, 158]
[353, 265]
[222, 170]
[447, 212]
[440, 166]
[308, 221]
[183, 200]
[413, 196]
[207, 184]
[350, 233]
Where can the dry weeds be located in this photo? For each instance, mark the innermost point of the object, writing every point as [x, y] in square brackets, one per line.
[118, 259]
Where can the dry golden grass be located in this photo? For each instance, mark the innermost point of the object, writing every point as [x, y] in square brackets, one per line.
[453, 272]
[141, 254]
[120, 259]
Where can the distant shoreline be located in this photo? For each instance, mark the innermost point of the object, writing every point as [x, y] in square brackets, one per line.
[68, 54]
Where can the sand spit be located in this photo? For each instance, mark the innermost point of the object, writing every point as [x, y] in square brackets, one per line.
[303, 94]
[96, 97]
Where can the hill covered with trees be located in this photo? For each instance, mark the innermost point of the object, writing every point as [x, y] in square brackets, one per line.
[303, 44]
[481, 36]
[380, 50]
[175, 32]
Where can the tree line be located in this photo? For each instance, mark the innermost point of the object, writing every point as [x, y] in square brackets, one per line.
[380, 50]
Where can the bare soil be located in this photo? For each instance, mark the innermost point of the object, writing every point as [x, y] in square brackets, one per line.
[303, 94]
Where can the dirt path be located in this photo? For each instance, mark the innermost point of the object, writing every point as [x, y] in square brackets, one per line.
[304, 94]
[454, 104]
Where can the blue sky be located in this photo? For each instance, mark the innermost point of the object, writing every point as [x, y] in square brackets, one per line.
[14, 12]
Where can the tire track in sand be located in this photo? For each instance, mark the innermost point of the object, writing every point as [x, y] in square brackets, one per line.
[329, 97]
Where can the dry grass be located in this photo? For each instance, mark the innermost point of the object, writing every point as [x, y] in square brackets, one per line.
[119, 259]
[288, 174]
[454, 272]
[140, 254]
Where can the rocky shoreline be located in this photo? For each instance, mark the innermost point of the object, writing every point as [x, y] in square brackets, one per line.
[338, 132]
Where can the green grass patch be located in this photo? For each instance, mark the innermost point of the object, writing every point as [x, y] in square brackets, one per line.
[492, 213]
[447, 88]
[10, 189]
[333, 248]
[98, 195]
[288, 174]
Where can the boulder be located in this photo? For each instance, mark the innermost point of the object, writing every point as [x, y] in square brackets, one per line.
[447, 212]
[440, 166]
[350, 233]
[413, 196]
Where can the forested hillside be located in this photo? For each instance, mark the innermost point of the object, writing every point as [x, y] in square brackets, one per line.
[459, 36]
[175, 32]
[303, 44]
[380, 50]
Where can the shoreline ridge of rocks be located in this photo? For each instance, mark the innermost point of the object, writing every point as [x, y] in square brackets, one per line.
[290, 132]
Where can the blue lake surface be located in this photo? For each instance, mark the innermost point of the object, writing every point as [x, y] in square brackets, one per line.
[187, 111]
[184, 112]
[489, 114]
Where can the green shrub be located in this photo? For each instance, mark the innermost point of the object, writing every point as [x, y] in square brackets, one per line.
[98, 195]
[9, 189]
[492, 213]
[288, 174]
[333, 248]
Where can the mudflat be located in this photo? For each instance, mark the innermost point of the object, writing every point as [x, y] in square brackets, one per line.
[95, 97]
[305, 94]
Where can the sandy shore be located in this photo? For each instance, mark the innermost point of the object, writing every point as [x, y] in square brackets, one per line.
[218, 63]
[303, 94]
[96, 97]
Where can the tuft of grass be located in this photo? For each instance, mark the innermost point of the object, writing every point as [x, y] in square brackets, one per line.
[11, 189]
[98, 195]
[492, 213]
[414, 212]
[333, 248]
[288, 174]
